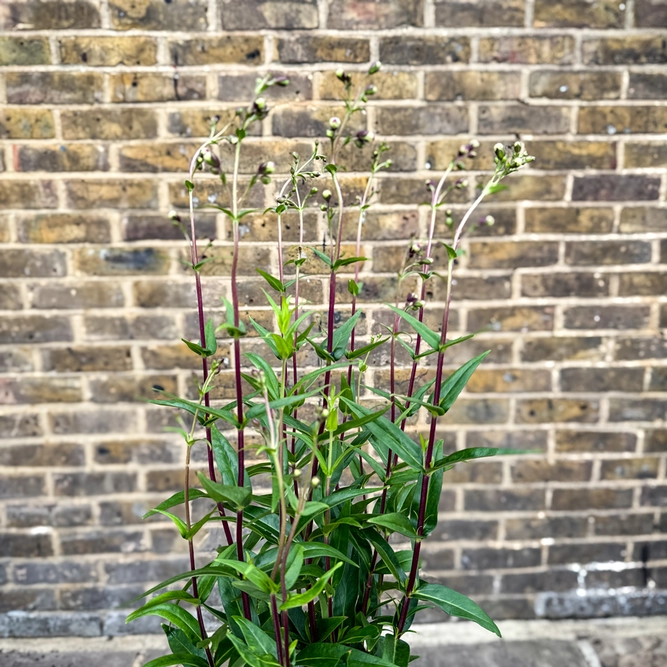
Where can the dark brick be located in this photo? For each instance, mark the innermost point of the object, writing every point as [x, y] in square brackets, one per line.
[117, 261]
[241, 49]
[595, 253]
[24, 486]
[529, 49]
[645, 86]
[127, 123]
[19, 263]
[598, 552]
[640, 348]
[607, 317]
[612, 187]
[650, 13]
[579, 14]
[100, 421]
[635, 50]
[590, 498]
[102, 541]
[364, 14]
[565, 85]
[521, 118]
[83, 359]
[620, 119]
[34, 329]
[654, 496]
[118, 389]
[107, 597]
[512, 254]
[601, 379]
[51, 455]
[141, 327]
[15, 545]
[50, 15]
[141, 572]
[642, 284]
[656, 440]
[512, 439]
[491, 559]
[468, 529]
[153, 87]
[60, 515]
[564, 284]
[632, 409]
[270, 14]
[569, 220]
[89, 483]
[20, 425]
[545, 410]
[644, 155]
[503, 500]
[425, 50]
[54, 87]
[472, 85]
[79, 296]
[595, 441]
[641, 468]
[27, 195]
[306, 48]
[622, 524]
[440, 559]
[36, 599]
[536, 582]
[431, 119]
[532, 471]
[562, 348]
[511, 319]
[526, 528]
[157, 15]
[483, 13]
[65, 572]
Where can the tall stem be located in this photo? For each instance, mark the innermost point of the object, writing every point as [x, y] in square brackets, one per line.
[237, 369]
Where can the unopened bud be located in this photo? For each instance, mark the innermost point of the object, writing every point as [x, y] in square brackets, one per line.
[297, 473]
[375, 67]
[315, 482]
[499, 150]
[281, 81]
[260, 103]
[489, 220]
[334, 122]
[266, 168]
[326, 195]
[427, 261]
[313, 191]
[174, 216]
[371, 90]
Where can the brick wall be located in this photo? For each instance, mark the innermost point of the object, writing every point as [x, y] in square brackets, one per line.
[103, 103]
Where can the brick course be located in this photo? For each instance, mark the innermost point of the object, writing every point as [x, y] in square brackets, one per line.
[101, 105]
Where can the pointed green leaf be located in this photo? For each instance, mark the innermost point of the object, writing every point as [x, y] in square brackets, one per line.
[456, 382]
[177, 499]
[272, 280]
[430, 337]
[178, 659]
[300, 599]
[395, 522]
[238, 496]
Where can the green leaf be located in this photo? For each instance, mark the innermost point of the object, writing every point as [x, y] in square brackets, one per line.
[272, 280]
[259, 409]
[326, 625]
[455, 604]
[177, 521]
[196, 348]
[197, 409]
[352, 287]
[294, 565]
[272, 382]
[225, 457]
[251, 658]
[386, 435]
[319, 549]
[177, 499]
[361, 351]
[456, 382]
[430, 337]
[253, 574]
[470, 454]
[395, 522]
[300, 599]
[322, 256]
[321, 655]
[209, 334]
[386, 553]
[494, 189]
[179, 642]
[204, 571]
[181, 596]
[178, 659]
[347, 261]
[175, 615]
[342, 335]
[238, 496]
[432, 502]
[256, 639]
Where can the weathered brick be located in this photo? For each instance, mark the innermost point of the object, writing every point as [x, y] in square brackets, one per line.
[24, 263]
[141, 451]
[306, 48]
[543, 471]
[93, 483]
[523, 118]
[63, 228]
[601, 379]
[564, 284]
[569, 220]
[536, 582]
[70, 157]
[650, 13]
[639, 347]
[83, 359]
[197, 122]
[595, 253]
[491, 559]
[19, 123]
[20, 425]
[102, 51]
[157, 15]
[154, 294]
[463, 13]
[431, 119]
[14, 545]
[511, 318]
[573, 154]
[39, 390]
[585, 498]
[509, 380]
[642, 284]
[532, 50]
[10, 298]
[28, 194]
[54, 87]
[578, 553]
[60, 514]
[102, 541]
[473, 85]
[479, 411]
[579, 14]
[249, 258]
[575, 85]
[346, 14]
[127, 389]
[50, 15]
[607, 317]
[308, 121]
[150, 87]
[532, 186]
[557, 410]
[156, 157]
[641, 468]
[155, 226]
[424, 50]
[654, 496]
[473, 287]
[486, 473]
[647, 86]
[499, 500]
[611, 187]
[241, 49]
[95, 193]
[110, 124]
[16, 360]
[511, 254]
[631, 409]
[105, 420]
[640, 155]
[525, 528]
[24, 51]
[138, 327]
[622, 524]
[391, 85]
[66, 572]
[24, 486]
[34, 329]
[79, 296]
[658, 380]
[168, 357]
[620, 119]
[635, 50]
[265, 14]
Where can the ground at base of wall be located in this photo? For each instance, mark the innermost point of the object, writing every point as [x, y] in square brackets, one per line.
[620, 642]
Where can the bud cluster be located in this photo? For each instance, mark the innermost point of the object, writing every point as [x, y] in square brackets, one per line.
[511, 158]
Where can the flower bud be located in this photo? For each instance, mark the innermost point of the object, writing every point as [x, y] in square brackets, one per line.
[499, 150]
[297, 473]
[174, 216]
[340, 73]
[313, 191]
[266, 168]
[427, 261]
[323, 207]
[260, 103]
[371, 90]
[315, 482]
[326, 195]
[281, 81]
[210, 157]
[419, 304]
[375, 67]
[334, 122]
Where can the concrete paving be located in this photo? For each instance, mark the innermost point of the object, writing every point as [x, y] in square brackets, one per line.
[619, 642]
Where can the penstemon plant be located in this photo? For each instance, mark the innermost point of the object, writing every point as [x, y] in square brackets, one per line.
[326, 478]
